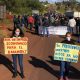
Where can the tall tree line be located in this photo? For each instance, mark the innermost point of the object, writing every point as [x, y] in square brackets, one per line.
[22, 5]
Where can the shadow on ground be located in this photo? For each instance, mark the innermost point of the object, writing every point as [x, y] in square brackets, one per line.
[6, 62]
[41, 64]
[74, 73]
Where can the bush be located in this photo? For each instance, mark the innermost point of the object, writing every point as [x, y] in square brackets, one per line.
[22, 10]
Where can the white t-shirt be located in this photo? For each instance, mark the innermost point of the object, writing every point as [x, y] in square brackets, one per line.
[72, 22]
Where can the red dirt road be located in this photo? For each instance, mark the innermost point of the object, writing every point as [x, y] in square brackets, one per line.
[38, 63]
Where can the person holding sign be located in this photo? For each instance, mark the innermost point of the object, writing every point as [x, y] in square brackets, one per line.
[17, 33]
[64, 66]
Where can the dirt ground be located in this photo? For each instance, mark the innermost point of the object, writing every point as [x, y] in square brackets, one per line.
[38, 63]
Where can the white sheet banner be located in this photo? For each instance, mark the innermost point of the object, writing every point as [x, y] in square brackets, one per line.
[55, 30]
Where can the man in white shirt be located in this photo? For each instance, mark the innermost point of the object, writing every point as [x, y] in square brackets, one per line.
[72, 25]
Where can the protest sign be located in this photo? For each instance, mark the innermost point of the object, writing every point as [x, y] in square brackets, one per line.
[58, 30]
[66, 52]
[55, 30]
[16, 45]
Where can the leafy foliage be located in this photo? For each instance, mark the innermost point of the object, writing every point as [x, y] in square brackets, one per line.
[22, 6]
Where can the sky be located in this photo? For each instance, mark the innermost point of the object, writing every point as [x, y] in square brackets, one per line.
[54, 0]
[50, 0]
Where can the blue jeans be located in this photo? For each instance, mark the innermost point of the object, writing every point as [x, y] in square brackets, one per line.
[70, 29]
[20, 60]
[45, 30]
[78, 30]
[64, 68]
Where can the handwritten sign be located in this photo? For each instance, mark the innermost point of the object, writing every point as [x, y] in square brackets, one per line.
[16, 45]
[66, 52]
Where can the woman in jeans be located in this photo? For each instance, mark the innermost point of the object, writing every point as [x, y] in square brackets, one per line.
[65, 66]
[17, 33]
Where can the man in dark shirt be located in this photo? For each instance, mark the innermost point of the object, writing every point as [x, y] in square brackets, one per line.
[78, 26]
[45, 25]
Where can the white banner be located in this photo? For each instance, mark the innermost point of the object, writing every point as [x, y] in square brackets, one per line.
[55, 30]
[76, 14]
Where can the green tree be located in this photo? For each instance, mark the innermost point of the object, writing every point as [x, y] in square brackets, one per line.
[22, 6]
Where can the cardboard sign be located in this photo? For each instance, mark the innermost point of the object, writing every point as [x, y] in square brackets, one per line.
[66, 52]
[16, 45]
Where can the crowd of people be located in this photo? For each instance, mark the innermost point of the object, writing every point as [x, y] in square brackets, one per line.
[35, 21]
[49, 19]
[64, 66]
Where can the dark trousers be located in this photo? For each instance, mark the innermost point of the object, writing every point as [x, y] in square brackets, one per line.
[14, 25]
[36, 28]
[31, 25]
[20, 60]
[78, 30]
[45, 31]
[64, 68]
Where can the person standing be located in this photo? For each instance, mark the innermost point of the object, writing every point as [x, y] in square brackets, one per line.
[17, 33]
[31, 22]
[22, 21]
[65, 66]
[19, 24]
[15, 21]
[72, 25]
[78, 25]
[38, 22]
[45, 25]
[26, 20]
[78, 28]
